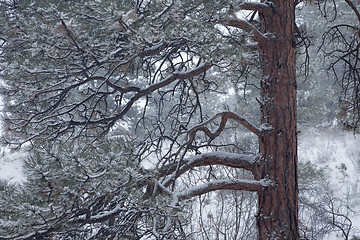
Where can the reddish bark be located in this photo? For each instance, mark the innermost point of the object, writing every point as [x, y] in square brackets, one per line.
[278, 205]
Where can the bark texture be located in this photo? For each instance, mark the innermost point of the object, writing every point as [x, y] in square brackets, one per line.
[278, 205]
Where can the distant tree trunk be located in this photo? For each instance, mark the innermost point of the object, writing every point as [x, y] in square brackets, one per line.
[278, 205]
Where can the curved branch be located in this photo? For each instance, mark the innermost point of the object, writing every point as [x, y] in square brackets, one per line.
[234, 184]
[225, 116]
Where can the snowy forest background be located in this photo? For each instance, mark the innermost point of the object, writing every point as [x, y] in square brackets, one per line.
[38, 183]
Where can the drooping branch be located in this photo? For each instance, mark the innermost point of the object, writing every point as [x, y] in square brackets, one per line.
[212, 135]
[159, 47]
[303, 42]
[104, 215]
[235, 184]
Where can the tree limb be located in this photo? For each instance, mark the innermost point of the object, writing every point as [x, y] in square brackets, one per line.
[247, 27]
[256, 6]
[234, 160]
[225, 116]
[234, 184]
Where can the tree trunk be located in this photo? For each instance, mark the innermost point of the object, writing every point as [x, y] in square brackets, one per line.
[278, 205]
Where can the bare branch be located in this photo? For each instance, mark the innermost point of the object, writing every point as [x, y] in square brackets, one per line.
[114, 86]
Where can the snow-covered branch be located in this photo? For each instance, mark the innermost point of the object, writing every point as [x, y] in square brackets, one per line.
[158, 47]
[106, 215]
[234, 160]
[248, 27]
[234, 184]
[256, 6]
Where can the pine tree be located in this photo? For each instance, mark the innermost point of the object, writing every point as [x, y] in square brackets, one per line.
[115, 97]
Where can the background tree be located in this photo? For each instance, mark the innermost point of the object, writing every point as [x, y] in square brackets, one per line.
[340, 43]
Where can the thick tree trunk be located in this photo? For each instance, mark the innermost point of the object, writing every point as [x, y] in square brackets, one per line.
[278, 205]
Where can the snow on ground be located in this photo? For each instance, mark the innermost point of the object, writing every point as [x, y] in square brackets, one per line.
[338, 153]
[341, 151]
[11, 165]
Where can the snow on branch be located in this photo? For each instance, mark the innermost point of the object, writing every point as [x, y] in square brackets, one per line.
[256, 6]
[234, 160]
[106, 215]
[248, 27]
[233, 184]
